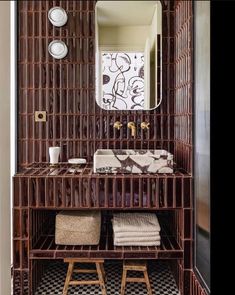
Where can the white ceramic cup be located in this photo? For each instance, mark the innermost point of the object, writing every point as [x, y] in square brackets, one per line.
[54, 153]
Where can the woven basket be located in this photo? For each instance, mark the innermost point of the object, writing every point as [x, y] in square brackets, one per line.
[78, 228]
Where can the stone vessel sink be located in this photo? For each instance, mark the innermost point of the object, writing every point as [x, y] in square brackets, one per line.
[132, 161]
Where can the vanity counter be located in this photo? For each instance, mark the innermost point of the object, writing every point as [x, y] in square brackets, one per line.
[86, 170]
[65, 186]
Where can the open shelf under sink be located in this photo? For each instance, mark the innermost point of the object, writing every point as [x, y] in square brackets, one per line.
[44, 246]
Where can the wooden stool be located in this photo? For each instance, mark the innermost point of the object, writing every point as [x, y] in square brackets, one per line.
[99, 270]
[135, 266]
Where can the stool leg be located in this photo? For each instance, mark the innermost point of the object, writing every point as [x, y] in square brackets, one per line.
[123, 285]
[101, 279]
[103, 271]
[68, 277]
[147, 282]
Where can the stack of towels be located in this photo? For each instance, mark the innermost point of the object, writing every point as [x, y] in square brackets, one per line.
[136, 229]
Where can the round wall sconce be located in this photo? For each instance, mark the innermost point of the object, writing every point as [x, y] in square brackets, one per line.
[58, 49]
[57, 16]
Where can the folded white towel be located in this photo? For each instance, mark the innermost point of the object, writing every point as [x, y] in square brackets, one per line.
[136, 234]
[136, 239]
[153, 243]
[135, 222]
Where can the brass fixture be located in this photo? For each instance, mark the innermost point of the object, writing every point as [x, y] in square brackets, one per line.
[40, 116]
[132, 126]
[144, 125]
[117, 125]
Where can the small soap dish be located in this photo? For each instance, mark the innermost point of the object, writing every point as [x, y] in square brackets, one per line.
[75, 170]
[77, 161]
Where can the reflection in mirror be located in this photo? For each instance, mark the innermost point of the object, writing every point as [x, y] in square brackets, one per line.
[128, 54]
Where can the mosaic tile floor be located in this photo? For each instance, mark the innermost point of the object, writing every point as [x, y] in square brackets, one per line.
[161, 280]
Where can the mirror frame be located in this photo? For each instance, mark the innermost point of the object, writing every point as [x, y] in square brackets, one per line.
[166, 9]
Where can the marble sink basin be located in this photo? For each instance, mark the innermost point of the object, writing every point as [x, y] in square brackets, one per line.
[132, 161]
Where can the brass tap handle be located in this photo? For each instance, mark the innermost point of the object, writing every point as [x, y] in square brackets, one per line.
[144, 125]
[117, 125]
[132, 126]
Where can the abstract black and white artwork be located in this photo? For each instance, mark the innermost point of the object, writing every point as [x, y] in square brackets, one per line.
[123, 80]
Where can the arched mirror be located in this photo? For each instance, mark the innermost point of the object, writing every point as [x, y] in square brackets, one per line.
[128, 55]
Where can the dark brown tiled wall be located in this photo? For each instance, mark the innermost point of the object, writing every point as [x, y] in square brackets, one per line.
[65, 88]
[183, 133]
[183, 77]
[183, 113]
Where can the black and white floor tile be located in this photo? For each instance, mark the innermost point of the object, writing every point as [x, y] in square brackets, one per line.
[161, 279]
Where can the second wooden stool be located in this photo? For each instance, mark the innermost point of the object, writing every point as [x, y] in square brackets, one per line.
[99, 270]
[135, 266]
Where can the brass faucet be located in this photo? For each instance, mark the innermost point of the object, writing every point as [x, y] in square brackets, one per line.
[144, 125]
[132, 126]
[117, 125]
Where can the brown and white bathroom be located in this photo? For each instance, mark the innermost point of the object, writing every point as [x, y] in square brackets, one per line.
[108, 111]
